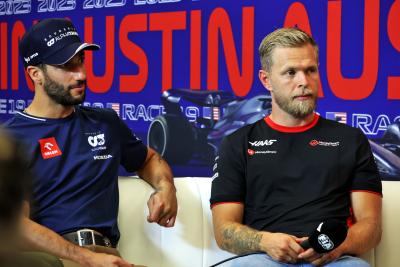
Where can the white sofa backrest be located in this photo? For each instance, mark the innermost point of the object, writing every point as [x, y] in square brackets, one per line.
[189, 243]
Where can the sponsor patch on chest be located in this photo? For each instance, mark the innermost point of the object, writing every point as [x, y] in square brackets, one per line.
[97, 141]
[315, 142]
[258, 145]
[49, 148]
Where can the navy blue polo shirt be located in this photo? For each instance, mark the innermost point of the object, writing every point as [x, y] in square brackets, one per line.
[75, 162]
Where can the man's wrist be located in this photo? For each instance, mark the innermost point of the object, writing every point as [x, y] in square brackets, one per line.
[81, 255]
[166, 185]
[265, 238]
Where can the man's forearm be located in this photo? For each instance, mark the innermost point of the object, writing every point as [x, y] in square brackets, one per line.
[157, 172]
[362, 236]
[40, 238]
[239, 239]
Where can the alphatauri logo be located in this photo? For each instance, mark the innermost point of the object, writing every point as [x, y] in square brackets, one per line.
[96, 140]
[59, 35]
[263, 143]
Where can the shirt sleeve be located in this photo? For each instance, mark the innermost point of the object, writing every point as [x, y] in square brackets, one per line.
[366, 176]
[133, 151]
[228, 183]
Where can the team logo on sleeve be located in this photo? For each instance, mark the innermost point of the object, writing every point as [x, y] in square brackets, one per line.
[49, 148]
[215, 168]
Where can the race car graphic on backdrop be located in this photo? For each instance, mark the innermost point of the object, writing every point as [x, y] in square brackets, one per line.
[182, 141]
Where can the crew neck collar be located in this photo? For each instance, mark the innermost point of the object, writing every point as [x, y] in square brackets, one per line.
[29, 116]
[296, 129]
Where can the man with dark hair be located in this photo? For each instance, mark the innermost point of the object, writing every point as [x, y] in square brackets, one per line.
[75, 152]
[276, 180]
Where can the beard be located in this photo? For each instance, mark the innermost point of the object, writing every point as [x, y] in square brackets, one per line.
[61, 94]
[298, 109]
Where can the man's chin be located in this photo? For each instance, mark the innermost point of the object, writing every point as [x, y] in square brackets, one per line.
[302, 113]
[72, 102]
[78, 99]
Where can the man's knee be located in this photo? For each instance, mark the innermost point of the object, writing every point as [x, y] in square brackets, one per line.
[349, 261]
[38, 259]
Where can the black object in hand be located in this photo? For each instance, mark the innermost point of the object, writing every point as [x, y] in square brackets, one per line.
[328, 236]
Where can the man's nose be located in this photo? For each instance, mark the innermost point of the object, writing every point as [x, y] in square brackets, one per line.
[302, 79]
[80, 72]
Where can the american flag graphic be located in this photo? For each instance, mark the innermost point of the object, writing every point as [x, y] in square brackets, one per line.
[114, 106]
[211, 113]
[337, 116]
[215, 113]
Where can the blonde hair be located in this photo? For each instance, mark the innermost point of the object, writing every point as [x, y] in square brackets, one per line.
[283, 37]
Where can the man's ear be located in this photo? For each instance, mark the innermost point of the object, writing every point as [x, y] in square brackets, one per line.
[264, 77]
[36, 74]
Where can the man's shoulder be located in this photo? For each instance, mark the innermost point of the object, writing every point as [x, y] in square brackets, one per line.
[337, 126]
[247, 128]
[244, 131]
[97, 113]
[19, 120]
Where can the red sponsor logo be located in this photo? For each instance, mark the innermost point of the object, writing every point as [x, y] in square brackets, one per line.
[324, 143]
[49, 148]
[314, 142]
[250, 152]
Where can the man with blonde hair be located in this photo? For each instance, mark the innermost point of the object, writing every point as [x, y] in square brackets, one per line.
[277, 179]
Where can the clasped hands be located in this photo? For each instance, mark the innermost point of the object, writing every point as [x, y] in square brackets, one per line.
[286, 248]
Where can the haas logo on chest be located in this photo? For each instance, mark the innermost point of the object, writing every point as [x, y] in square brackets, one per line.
[263, 142]
[96, 140]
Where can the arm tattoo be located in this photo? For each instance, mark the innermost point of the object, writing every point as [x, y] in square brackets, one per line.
[241, 240]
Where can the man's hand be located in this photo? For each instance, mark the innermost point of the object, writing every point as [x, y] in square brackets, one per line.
[318, 259]
[163, 206]
[281, 247]
[162, 203]
[105, 260]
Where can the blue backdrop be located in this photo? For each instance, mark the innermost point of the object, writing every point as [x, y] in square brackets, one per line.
[152, 46]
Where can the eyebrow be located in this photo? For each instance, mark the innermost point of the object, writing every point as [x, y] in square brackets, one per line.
[296, 68]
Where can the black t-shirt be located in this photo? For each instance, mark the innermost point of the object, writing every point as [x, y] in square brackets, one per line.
[292, 178]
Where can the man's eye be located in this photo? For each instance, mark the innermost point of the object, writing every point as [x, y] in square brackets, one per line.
[291, 72]
[312, 70]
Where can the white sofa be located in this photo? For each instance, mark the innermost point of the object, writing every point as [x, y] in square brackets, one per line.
[191, 242]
